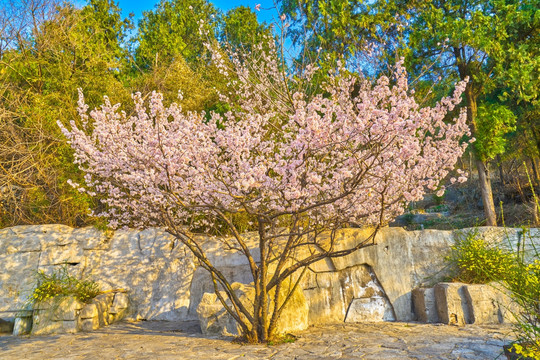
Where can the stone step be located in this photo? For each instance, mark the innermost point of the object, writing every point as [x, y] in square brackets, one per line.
[460, 304]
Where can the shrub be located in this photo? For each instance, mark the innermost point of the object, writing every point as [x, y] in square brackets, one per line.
[60, 283]
[524, 288]
[474, 261]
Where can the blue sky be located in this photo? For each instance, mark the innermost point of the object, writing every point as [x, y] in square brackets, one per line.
[137, 7]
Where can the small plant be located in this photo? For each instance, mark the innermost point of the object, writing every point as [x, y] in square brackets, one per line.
[283, 339]
[60, 283]
[474, 261]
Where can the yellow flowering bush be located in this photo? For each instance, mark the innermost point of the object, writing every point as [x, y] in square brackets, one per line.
[60, 283]
[472, 260]
[524, 286]
[530, 351]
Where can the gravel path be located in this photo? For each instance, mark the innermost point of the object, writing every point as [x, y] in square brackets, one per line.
[170, 340]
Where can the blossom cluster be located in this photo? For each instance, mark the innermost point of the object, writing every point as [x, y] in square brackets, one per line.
[355, 154]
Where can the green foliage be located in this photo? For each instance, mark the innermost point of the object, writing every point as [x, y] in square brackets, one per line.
[64, 48]
[174, 77]
[60, 284]
[341, 27]
[172, 30]
[474, 261]
[241, 28]
[494, 121]
[524, 287]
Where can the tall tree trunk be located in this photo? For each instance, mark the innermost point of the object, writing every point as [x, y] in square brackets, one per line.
[261, 282]
[487, 195]
[481, 166]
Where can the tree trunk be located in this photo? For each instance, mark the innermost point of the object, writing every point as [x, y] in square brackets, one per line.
[487, 195]
[483, 172]
[262, 294]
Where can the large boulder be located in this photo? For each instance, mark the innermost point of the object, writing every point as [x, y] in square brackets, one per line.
[351, 295]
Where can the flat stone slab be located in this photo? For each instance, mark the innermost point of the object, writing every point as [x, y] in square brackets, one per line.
[183, 340]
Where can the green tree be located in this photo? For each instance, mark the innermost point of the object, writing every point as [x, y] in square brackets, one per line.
[57, 50]
[471, 39]
[172, 30]
[241, 28]
[493, 43]
[494, 121]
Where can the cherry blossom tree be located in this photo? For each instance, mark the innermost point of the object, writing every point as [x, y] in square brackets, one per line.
[300, 166]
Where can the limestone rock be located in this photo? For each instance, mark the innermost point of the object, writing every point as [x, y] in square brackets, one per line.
[67, 309]
[22, 326]
[164, 283]
[121, 301]
[119, 307]
[57, 255]
[490, 304]
[103, 302]
[17, 278]
[402, 260]
[329, 295]
[452, 306]
[483, 304]
[376, 308]
[90, 238]
[43, 323]
[70, 326]
[90, 324]
[424, 305]
[201, 283]
[89, 311]
[214, 319]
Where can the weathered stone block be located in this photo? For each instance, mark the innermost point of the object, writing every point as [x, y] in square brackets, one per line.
[103, 302]
[22, 326]
[67, 309]
[214, 319]
[46, 304]
[452, 307]
[43, 323]
[57, 255]
[89, 311]
[90, 324]
[371, 309]
[424, 304]
[330, 293]
[484, 305]
[70, 326]
[121, 301]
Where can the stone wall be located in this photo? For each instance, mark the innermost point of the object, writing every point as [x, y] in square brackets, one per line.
[164, 282]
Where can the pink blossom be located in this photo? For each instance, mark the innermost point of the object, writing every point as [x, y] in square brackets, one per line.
[335, 159]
